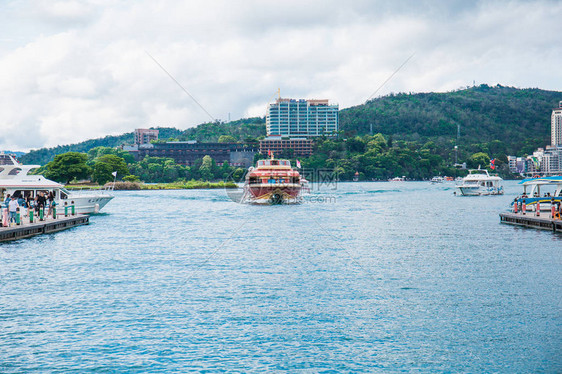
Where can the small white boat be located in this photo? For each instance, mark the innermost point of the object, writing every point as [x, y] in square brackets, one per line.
[398, 179]
[14, 180]
[478, 182]
[437, 180]
[305, 186]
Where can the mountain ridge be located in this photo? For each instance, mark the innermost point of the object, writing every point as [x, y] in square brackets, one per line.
[516, 120]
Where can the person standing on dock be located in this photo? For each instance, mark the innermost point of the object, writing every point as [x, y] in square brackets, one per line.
[40, 201]
[22, 205]
[29, 204]
[13, 208]
[51, 203]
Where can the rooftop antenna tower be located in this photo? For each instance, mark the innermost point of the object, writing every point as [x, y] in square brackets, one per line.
[457, 143]
[277, 93]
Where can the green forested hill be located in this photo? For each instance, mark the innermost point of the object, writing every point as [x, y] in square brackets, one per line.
[43, 155]
[495, 120]
[518, 118]
[241, 130]
[247, 129]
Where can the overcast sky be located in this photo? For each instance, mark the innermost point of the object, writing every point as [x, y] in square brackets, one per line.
[75, 70]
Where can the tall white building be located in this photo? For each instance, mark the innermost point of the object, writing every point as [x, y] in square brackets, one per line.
[301, 118]
[556, 127]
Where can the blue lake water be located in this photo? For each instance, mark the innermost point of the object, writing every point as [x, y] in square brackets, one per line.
[372, 277]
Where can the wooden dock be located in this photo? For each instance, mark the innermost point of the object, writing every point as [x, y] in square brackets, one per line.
[42, 227]
[542, 222]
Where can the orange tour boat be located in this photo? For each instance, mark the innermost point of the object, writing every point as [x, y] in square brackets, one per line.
[273, 182]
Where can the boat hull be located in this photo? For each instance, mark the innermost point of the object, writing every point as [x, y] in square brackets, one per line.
[85, 204]
[472, 191]
[274, 194]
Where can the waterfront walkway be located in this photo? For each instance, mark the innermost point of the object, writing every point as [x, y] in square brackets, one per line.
[543, 221]
[47, 226]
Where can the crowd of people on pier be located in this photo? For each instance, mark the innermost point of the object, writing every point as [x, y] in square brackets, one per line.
[25, 204]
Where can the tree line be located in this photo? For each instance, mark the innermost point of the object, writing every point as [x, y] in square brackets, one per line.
[379, 157]
[100, 164]
[420, 131]
[367, 157]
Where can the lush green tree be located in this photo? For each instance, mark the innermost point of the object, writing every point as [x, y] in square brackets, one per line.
[225, 171]
[106, 165]
[238, 175]
[131, 178]
[95, 153]
[102, 173]
[355, 145]
[479, 159]
[227, 139]
[68, 166]
[250, 139]
[172, 171]
[206, 168]
[377, 143]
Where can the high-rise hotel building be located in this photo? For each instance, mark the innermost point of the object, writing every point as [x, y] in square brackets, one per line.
[556, 127]
[301, 118]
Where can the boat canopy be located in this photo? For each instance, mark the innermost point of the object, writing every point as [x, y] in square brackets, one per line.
[550, 186]
[274, 163]
[544, 180]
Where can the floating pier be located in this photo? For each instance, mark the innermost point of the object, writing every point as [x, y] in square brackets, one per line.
[544, 221]
[47, 226]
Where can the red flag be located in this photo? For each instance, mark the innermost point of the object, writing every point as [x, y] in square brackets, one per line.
[493, 164]
[298, 164]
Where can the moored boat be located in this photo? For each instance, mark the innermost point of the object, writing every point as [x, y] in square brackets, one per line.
[273, 181]
[545, 191]
[479, 182]
[15, 181]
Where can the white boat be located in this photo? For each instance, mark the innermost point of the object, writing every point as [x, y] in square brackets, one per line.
[398, 179]
[15, 180]
[437, 180]
[478, 182]
[305, 186]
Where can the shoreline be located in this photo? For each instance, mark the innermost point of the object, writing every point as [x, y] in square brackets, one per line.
[137, 186]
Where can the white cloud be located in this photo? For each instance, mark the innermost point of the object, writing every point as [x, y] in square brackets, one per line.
[73, 70]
